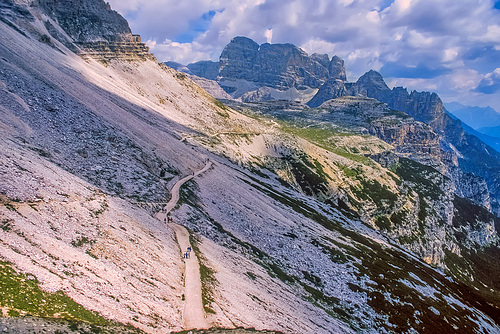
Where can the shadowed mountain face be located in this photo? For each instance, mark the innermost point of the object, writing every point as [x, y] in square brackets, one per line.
[86, 21]
[311, 220]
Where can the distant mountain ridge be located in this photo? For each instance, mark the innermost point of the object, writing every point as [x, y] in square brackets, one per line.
[485, 121]
[475, 117]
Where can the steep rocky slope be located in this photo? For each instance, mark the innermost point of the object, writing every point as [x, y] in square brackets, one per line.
[90, 149]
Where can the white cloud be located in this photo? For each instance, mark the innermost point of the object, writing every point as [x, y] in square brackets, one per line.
[373, 16]
[419, 40]
[401, 6]
[492, 34]
[450, 54]
[183, 53]
[269, 35]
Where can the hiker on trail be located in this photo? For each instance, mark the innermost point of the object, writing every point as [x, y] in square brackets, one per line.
[189, 249]
[186, 255]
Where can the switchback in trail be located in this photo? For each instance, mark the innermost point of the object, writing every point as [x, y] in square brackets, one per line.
[194, 314]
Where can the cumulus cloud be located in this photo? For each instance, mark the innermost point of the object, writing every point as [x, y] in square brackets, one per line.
[491, 83]
[184, 53]
[408, 40]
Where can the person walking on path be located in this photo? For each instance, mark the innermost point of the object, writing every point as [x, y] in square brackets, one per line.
[194, 316]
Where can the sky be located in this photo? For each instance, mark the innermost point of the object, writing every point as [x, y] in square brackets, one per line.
[451, 47]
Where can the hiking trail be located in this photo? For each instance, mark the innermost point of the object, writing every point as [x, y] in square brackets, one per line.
[194, 314]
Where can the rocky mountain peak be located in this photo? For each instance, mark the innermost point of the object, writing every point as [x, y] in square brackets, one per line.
[278, 66]
[337, 69]
[373, 82]
[238, 59]
[323, 59]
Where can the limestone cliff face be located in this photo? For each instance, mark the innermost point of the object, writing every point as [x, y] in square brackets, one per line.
[284, 66]
[238, 59]
[473, 157]
[410, 138]
[464, 156]
[87, 21]
[93, 29]
[278, 66]
[337, 69]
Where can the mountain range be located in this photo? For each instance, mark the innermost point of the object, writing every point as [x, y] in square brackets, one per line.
[251, 73]
[314, 204]
[485, 121]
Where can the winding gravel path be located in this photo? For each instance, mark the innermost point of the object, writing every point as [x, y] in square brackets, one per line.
[194, 314]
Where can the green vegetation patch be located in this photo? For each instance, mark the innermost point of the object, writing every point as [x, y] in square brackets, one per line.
[207, 276]
[21, 295]
[6, 224]
[324, 137]
[329, 304]
[425, 179]
[383, 223]
[222, 109]
[375, 191]
[477, 267]
[467, 213]
[81, 241]
[309, 179]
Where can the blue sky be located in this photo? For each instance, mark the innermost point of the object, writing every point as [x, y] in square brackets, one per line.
[451, 47]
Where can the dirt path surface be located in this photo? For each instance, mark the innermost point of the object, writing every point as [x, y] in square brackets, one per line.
[194, 314]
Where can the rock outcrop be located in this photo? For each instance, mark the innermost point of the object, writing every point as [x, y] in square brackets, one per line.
[337, 69]
[93, 29]
[332, 87]
[465, 156]
[473, 156]
[244, 63]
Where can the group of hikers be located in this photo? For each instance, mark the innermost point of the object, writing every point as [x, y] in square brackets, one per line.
[187, 255]
[167, 219]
